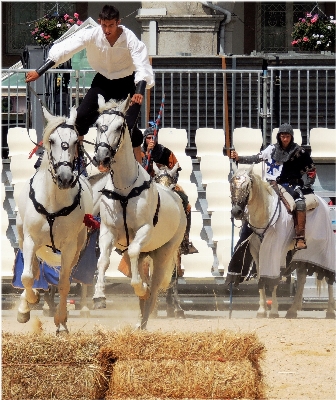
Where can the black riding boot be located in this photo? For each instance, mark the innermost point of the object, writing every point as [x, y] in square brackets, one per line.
[186, 246]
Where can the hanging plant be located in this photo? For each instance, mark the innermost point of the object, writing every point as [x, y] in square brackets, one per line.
[314, 33]
[50, 28]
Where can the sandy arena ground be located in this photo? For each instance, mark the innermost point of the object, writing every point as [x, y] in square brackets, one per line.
[300, 361]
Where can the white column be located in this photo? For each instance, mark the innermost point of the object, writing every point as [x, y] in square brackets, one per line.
[152, 49]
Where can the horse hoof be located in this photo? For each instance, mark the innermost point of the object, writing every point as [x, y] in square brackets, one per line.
[330, 315]
[99, 303]
[273, 315]
[23, 317]
[291, 315]
[179, 314]
[262, 314]
[62, 330]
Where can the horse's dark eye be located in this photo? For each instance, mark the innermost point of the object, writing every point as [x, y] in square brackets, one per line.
[51, 141]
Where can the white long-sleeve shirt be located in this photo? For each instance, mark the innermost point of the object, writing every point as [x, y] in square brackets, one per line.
[127, 55]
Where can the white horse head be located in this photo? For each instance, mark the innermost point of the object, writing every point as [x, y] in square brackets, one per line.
[240, 188]
[112, 129]
[60, 140]
[165, 176]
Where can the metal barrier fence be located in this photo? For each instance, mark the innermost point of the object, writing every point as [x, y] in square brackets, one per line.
[194, 98]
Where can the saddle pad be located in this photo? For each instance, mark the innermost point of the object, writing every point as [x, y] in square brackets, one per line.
[311, 200]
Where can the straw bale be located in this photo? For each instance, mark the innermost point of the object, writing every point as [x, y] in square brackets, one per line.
[55, 367]
[63, 382]
[85, 364]
[180, 379]
[206, 346]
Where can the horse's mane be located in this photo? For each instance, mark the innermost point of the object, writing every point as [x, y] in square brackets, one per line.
[53, 123]
[259, 181]
[109, 104]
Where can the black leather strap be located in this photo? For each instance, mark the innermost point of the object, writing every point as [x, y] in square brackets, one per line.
[140, 87]
[44, 68]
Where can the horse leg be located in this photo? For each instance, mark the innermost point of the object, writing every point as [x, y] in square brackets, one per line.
[69, 259]
[140, 288]
[179, 313]
[49, 305]
[262, 310]
[84, 312]
[29, 274]
[274, 313]
[331, 303]
[170, 299]
[106, 241]
[301, 274]
[162, 272]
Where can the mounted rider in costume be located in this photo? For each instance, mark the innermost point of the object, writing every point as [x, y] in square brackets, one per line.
[286, 163]
[161, 155]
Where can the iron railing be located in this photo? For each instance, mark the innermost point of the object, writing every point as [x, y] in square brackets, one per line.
[194, 98]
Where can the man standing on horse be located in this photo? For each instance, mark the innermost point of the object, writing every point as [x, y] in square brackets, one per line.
[122, 64]
[286, 164]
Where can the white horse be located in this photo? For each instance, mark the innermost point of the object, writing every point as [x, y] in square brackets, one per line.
[51, 210]
[273, 237]
[137, 215]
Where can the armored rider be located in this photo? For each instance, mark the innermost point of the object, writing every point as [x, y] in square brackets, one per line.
[286, 164]
[161, 155]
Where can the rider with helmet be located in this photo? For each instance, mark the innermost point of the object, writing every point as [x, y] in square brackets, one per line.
[161, 155]
[286, 164]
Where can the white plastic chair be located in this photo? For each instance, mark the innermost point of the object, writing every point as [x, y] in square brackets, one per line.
[247, 141]
[17, 189]
[21, 167]
[198, 265]
[186, 165]
[297, 136]
[175, 139]
[214, 168]
[223, 252]
[209, 141]
[221, 225]
[323, 143]
[196, 225]
[19, 141]
[218, 196]
[7, 251]
[191, 191]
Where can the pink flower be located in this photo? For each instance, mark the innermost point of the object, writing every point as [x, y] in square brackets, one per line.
[314, 19]
[303, 20]
[79, 22]
[42, 34]
[76, 15]
[308, 15]
[66, 16]
[71, 21]
[305, 39]
[294, 42]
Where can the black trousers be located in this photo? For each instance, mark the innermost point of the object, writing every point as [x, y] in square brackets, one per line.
[117, 89]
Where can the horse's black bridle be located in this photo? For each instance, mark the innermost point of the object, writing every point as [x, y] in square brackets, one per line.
[65, 146]
[104, 128]
[242, 201]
